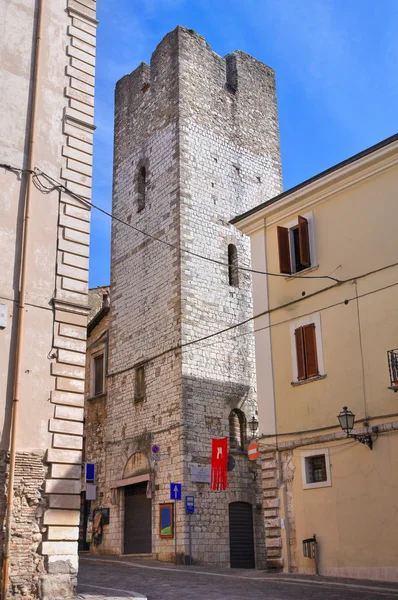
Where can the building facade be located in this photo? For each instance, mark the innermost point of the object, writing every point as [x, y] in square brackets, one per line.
[47, 63]
[326, 335]
[196, 140]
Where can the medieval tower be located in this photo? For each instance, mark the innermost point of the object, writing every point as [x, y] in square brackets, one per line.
[196, 143]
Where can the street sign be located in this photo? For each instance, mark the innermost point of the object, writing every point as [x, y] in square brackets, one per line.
[190, 504]
[252, 451]
[155, 449]
[175, 491]
[90, 472]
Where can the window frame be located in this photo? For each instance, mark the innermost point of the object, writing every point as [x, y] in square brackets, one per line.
[139, 398]
[305, 455]
[291, 226]
[95, 355]
[233, 265]
[307, 320]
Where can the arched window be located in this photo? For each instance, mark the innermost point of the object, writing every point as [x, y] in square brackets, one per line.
[233, 274]
[237, 430]
[141, 189]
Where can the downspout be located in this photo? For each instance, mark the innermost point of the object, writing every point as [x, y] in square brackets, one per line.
[21, 301]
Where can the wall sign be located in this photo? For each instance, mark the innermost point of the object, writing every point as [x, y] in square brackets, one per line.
[200, 473]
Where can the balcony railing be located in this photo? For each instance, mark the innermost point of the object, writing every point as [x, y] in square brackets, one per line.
[393, 368]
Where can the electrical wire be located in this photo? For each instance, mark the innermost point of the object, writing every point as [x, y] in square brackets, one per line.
[55, 185]
[59, 186]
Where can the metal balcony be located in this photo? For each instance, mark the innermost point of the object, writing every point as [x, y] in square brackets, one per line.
[393, 368]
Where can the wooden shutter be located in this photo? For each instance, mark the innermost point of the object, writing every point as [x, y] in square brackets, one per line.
[301, 373]
[304, 242]
[284, 250]
[98, 374]
[311, 356]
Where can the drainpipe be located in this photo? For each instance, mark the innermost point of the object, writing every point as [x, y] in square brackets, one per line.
[286, 514]
[21, 300]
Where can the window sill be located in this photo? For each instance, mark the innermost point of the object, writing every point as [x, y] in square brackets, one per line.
[318, 484]
[299, 275]
[102, 395]
[304, 381]
[139, 400]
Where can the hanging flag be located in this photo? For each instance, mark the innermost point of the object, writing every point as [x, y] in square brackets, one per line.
[219, 464]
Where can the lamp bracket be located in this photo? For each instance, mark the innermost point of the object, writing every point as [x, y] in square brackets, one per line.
[363, 439]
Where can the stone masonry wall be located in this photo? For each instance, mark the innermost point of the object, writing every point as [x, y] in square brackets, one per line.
[209, 144]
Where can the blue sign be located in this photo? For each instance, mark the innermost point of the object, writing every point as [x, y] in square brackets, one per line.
[190, 504]
[175, 491]
[90, 472]
[155, 449]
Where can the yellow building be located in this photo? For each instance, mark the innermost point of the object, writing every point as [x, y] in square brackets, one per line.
[326, 327]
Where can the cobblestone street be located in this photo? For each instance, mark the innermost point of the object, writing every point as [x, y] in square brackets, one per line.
[116, 578]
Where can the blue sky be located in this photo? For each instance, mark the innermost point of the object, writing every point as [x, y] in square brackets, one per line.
[336, 72]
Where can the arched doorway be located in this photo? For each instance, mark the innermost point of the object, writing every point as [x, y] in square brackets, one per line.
[241, 539]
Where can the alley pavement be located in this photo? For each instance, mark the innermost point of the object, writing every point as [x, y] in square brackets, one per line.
[125, 578]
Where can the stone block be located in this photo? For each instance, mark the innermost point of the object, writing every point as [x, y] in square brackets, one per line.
[64, 501]
[74, 260]
[73, 248]
[61, 517]
[83, 7]
[272, 522]
[69, 412]
[76, 236]
[71, 222]
[270, 483]
[79, 75]
[57, 426]
[82, 35]
[71, 318]
[67, 384]
[64, 370]
[67, 399]
[72, 358]
[271, 503]
[73, 442]
[54, 548]
[59, 532]
[62, 471]
[74, 285]
[273, 542]
[269, 464]
[62, 486]
[270, 513]
[84, 57]
[64, 456]
[275, 563]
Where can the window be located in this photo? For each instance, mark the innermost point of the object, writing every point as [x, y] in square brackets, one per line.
[98, 380]
[139, 393]
[296, 247]
[233, 272]
[141, 188]
[237, 430]
[306, 346]
[307, 357]
[315, 466]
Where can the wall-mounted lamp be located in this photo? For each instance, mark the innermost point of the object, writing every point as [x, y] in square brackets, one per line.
[346, 419]
[253, 426]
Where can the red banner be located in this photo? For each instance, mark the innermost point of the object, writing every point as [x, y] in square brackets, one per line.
[219, 464]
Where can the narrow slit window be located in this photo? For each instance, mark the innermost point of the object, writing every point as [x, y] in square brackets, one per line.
[141, 188]
[139, 393]
[98, 374]
[233, 272]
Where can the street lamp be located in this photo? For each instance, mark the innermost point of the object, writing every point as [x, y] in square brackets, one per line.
[346, 419]
[253, 426]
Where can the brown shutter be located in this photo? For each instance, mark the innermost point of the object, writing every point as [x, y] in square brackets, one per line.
[300, 354]
[304, 242]
[284, 250]
[311, 356]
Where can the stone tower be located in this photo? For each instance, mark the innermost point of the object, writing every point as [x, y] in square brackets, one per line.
[196, 143]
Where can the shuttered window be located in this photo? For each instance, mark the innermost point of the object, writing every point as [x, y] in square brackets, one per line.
[284, 250]
[294, 247]
[306, 350]
[98, 378]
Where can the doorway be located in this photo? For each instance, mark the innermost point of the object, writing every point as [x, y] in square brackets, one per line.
[241, 539]
[137, 519]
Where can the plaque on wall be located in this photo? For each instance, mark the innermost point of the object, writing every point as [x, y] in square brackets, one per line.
[200, 473]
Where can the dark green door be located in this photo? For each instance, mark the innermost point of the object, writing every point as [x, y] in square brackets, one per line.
[137, 520]
[241, 539]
